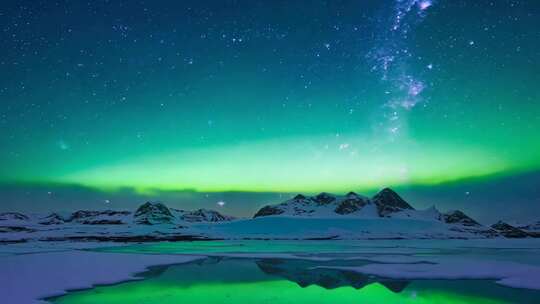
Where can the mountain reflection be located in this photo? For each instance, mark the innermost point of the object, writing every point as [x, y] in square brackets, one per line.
[306, 273]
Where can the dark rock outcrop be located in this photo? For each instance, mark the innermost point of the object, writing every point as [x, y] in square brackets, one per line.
[508, 230]
[153, 213]
[323, 198]
[84, 214]
[533, 229]
[268, 210]
[299, 197]
[388, 202]
[205, 215]
[352, 204]
[458, 217]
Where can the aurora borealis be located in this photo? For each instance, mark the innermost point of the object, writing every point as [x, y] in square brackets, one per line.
[270, 96]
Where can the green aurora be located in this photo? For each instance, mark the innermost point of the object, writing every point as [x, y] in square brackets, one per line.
[254, 96]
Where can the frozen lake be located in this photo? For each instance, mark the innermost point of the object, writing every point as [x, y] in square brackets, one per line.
[233, 280]
[256, 271]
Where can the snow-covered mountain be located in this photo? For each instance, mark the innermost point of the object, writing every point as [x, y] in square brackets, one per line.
[458, 217]
[153, 214]
[386, 215]
[509, 231]
[389, 202]
[385, 204]
[322, 205]
[201, 216]
[150, 222]
[532, 228]
[158, 213]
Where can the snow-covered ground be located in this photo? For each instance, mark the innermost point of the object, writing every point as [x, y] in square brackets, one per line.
[506, 273]
[290, 227]
[267, 227]
[31, 274]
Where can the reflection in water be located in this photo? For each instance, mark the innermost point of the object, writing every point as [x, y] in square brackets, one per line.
[304, 275]
[279, 281]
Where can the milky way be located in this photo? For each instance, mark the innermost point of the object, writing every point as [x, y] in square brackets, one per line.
[392, 59]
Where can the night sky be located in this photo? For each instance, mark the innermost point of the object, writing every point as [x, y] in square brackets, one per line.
[107, 103]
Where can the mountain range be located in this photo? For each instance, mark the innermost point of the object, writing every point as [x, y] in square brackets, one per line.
[386, 215]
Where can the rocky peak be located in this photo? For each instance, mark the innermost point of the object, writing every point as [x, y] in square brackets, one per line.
[323, 198]
[458, 217]
[101, 217]
[268, 210]
[352, 195]
[299, 197]
[84, 214]
[153, 213]
[205, 215]
[388, 202]
[352, 203]
[508, 230]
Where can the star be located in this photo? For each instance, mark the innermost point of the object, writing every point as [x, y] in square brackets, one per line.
[63, 145]
[344, 146]
[424, 5]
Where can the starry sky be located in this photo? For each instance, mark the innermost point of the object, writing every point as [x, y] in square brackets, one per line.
[234, 104]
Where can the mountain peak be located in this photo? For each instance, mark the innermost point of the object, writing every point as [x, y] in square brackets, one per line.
[458, 217]
[205, 215]
[299, 197]
[352, 203]
[352, 195]
[268, 210]
[388, 192]
[324, 198]
[151, 213]
[388, 201]
[508, 230]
